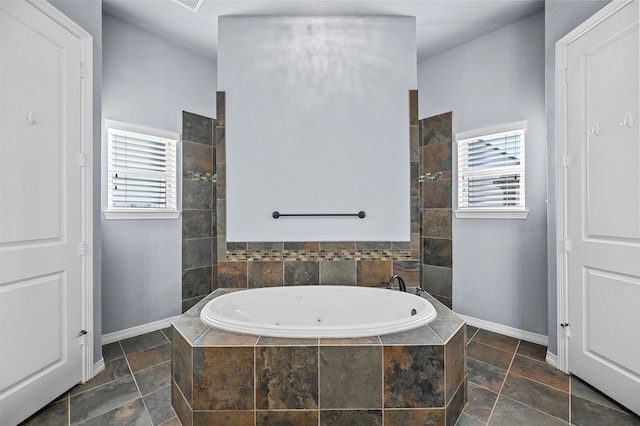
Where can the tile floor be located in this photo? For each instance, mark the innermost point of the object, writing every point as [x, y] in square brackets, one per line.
[133, 389]
[509, 384]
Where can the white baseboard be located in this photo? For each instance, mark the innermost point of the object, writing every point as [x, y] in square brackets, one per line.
[507, 331]
[98, 367]
[137, 331]
[552, 359]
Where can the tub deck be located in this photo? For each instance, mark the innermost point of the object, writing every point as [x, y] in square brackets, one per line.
[412, 377]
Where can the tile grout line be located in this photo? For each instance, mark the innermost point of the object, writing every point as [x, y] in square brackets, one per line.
[503, 382]
[133, 376]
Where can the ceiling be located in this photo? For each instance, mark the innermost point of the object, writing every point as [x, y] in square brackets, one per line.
[440, 24]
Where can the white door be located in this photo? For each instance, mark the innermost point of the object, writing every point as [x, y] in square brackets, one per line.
[603, 206]
[40, 211]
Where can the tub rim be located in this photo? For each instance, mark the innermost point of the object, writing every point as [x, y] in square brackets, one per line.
[325, 331]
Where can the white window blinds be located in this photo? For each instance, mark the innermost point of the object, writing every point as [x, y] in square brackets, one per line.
[491, 170]
[141, 169]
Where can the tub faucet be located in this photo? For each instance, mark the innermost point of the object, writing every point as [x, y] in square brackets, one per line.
[401, 285]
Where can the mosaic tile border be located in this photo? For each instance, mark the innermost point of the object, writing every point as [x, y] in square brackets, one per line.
[317, 255]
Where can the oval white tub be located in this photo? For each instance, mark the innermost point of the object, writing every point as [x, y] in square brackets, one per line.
[316, 311]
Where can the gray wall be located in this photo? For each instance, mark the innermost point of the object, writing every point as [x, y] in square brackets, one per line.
[500, 272]
[89, 16]
[561, 17]
[147, 80]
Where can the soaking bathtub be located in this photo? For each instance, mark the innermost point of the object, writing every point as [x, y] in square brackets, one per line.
[318, 311]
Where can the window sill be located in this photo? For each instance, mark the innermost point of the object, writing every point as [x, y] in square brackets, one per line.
[129, 215]
[491, 214]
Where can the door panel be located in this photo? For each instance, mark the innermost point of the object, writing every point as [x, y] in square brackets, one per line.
[603, 206]
[40, 210]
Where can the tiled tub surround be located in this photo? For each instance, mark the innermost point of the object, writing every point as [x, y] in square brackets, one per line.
[198, 208]
[256, 264]
[436, 206]
[413, 377]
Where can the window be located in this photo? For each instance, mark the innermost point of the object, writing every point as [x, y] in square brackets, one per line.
[141, 172]
[491, 174]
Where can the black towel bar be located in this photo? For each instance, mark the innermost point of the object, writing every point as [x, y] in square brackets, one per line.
[277, 214]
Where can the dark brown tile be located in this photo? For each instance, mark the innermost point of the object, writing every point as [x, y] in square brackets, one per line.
[265, 274]
[414, 144]
[158, 405]
[172, 422]
[102, 399]
[265, 245]
[302, 245]
[221, 145]
[485, 375]
[437, 252]
[496, 340]
[221, 214]
[471, 331]
[436, 223]
[437, 129]
[436, 158]
[196, 282]
[415, 417]
[586, 391]
[480, 402]
[341, 367]
[56, 414]
[301, 273]
[338, 272]
[197, 253]
[337, 245]
[540, 372]
[150, 357]
[286, 377]
[287, 418]
[455, 366]
[232, 274]
[182, 364]
[143, 342]
[414, 206]
[467, 420]
[223, 378]
[489, 354]
[197, 157]
[154, 378]
[197, 128]
[437, 280]
[374, 273]
[589, 413]
[350, 417]
[457, 403]
[223, 418]
[414, 376]
[197, 194]
[409, 270]
[113, 370]
[436, 194]
[413, 107]
[196, 224]
[221, 181]
[181, 406]
[132, 413]
[112, 351]
[509, 413]
[536, 395]
[221, 102]
[414, 173]
[532, 350]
